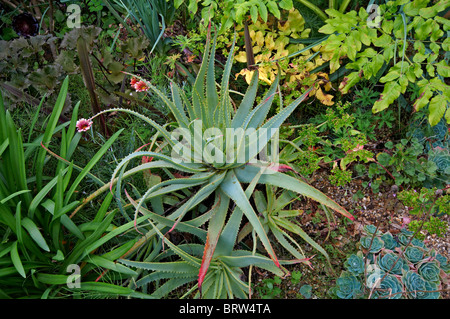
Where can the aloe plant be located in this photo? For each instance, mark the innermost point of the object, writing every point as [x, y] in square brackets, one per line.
[224, 280]
[215, 164]
[279, 220]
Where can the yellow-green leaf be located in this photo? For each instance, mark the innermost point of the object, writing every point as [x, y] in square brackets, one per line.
[437, 108]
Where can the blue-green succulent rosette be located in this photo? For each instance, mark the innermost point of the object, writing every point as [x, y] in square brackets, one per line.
[417, 242]
[443, 263]
[389, 241]
[419, 288]
[390, 287]
[392, 264]
[404, 236]
[430, 271]
[413, 254]
[355, 264]
[347, 286]
[370, 230]
[373, 246]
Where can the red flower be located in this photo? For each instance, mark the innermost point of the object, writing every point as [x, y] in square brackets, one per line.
[83, 125]
[140, 86]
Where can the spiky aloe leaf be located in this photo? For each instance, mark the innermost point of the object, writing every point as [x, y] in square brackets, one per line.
[215, 227]
[232, 187]
[167, 222]
[246, 172]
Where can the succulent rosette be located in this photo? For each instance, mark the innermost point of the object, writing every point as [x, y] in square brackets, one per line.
[429, 271]
[417, 242]
[405, 236]
[374, 246]
[370, 230]
[391, 260]
[419, 288]
[389, 241]
[355, 264]
[443, 263]
[348, 286]
[413, 254]
[389, 288]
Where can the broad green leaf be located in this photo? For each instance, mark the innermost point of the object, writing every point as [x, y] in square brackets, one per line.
[34, 232]
[273, 8]
[262, 11]
[443, 69]
[390, 93]
[437, 108]
[413, 8]
[52, 279]
[16, 260]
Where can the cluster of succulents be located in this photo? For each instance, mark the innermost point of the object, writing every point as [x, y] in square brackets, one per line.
[391, 267]
[436, 141]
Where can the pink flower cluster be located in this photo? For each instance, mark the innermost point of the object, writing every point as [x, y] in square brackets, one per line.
[139, 86]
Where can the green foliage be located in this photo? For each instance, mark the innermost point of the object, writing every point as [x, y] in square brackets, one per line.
[425, 200]
[269, 288]
[405, 163]
[341, 147]
[41, 239]
[405, 43]
[395, 270]
[422, 202]
[230, 12]
[212, 186]
[153, 17]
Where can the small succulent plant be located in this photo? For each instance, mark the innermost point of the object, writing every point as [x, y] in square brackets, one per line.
[355, 264]
[429, 271]
[389, 287]
[389, 241]
[391, 268]
[418, 288]
[391, 263]
[413, 254]
[347, 286]
[372, 244]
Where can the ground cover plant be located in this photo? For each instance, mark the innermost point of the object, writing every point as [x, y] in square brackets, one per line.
[224, 149]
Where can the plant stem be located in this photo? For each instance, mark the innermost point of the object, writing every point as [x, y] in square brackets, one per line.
[314, 8]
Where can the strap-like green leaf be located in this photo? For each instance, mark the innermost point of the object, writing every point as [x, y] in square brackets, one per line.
[34, 232]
